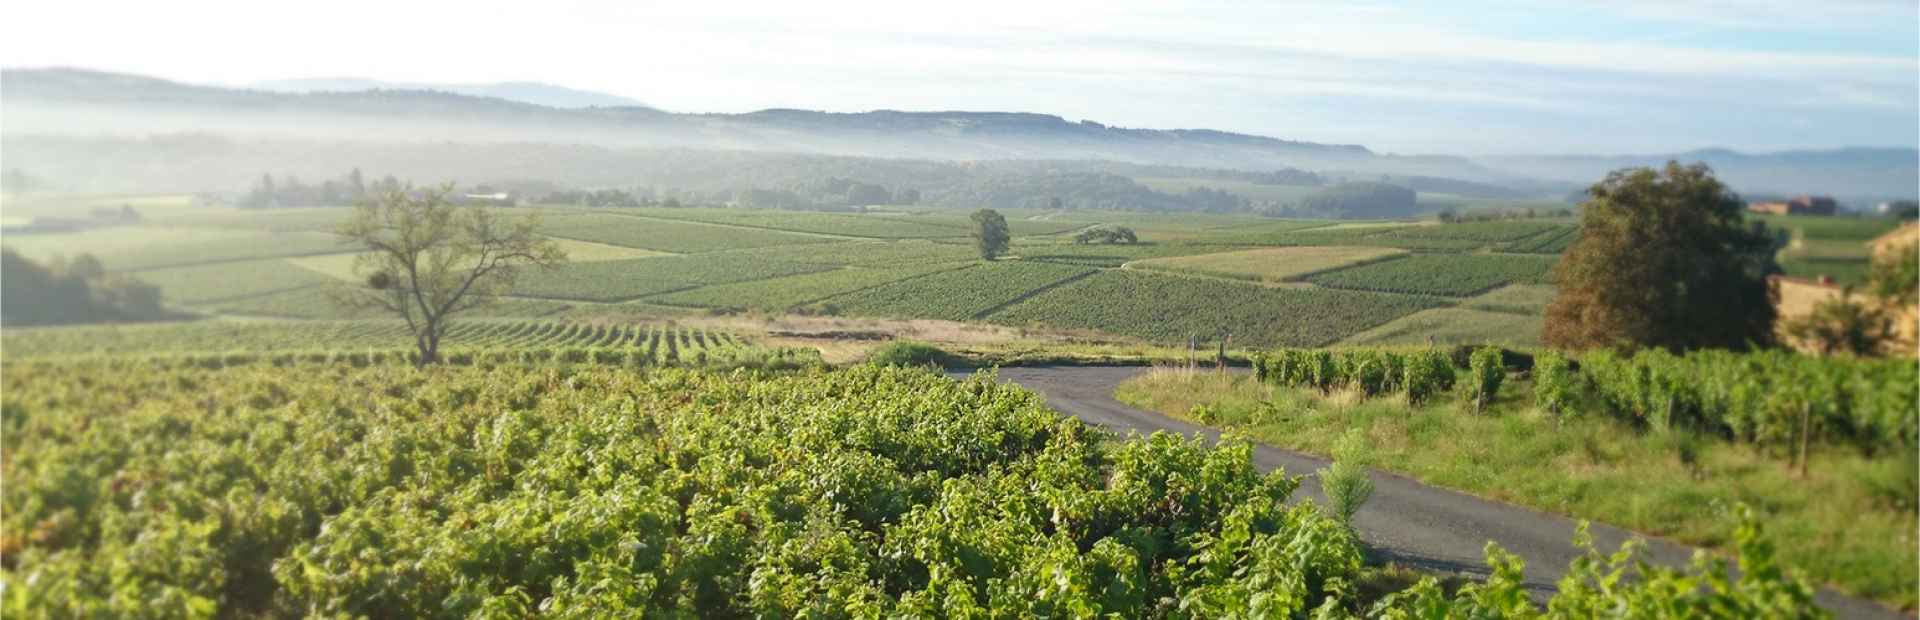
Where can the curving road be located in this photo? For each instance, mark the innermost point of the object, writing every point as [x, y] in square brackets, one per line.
[1405, 521]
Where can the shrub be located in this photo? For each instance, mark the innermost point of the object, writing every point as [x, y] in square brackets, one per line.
[1484, 375]
[1553, 383]
[1427, 373]
[1345, 481]
[907, 353]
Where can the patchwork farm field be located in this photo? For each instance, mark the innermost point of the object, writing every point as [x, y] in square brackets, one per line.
[1168, 308]
[1451, 326]
[665, 235]
[957, 295]
[633, 344]
[1440, 274]
[1270, 264]
[900, 262]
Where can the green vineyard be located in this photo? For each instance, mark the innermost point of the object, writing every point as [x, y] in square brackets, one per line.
[465, 341]
[519, 490]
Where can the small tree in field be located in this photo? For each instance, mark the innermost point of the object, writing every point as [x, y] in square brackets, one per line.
[428, 260]
[1664, 259]
[990, 233]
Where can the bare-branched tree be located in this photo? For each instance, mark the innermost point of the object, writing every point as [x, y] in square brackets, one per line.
[428, 260]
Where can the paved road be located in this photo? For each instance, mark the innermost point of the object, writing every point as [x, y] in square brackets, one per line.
[1405, 521]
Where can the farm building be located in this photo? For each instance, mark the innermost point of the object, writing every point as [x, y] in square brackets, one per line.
[1803, 205]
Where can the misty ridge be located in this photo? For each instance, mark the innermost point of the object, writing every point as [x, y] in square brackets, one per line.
[81, 130]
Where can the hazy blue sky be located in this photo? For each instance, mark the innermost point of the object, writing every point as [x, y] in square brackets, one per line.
[1457, 77]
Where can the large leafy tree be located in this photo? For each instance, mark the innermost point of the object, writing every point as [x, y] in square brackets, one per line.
[429, 260]
[1664, 259]
[990, 233]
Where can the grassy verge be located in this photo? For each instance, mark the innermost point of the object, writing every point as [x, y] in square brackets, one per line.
[1851, 523]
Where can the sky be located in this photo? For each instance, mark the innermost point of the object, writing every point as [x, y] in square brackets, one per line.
[1457, 77]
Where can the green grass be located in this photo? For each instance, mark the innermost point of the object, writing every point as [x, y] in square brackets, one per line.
[1843, 271]
[663, 235]
[955, 295]
[1440, 274]
[1830, 227]
[869, 253]
[318, 302]
[1270, 264]
[1527, 299]
[780, 294]
[632, 279]
[231, 280]
[876, 226]
[1505, 230]
[1832, 525]
[1165, 309]
[1450, 326]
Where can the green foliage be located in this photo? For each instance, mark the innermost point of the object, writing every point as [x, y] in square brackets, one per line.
[1485, 373]
[907, 353]
[1106, 235]
[333, 490]
[957, 295]
[1761, 397]
[1664, 259]
[1427, 373]
[1159, 308]
[1555, 386]
[788, 292]
[1358, 200]
[80, 291]
[1895, 275]
[1440, 274]
[1844, 324]
[1345, 481]
[621, 280]
[666, 235]
[1419, 374]
[990, 234]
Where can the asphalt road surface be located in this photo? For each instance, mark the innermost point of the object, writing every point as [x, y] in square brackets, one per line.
[1405, 522]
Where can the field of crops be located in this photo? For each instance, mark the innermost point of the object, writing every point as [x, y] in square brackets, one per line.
[1486, 232]
[1270, 264]
[318, 302]
[1451, 326]
[229, 280]
[665, 235]
[955, 295]
[868, 253]
[632, 279]
[1550, 242]
[1440, 274]
[841, 224]
[665, 342]
[783, 293]
[1162, 308]
[326, 488]
[1107, 255]
[1527, 299]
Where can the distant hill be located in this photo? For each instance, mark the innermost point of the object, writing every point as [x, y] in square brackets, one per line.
[76, 102]
[82, 101]
[535, 93]
[1858, 175]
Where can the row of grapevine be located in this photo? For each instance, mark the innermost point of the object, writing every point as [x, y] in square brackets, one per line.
[765, 358]
[584, 491]
[1421, 375]
[1766, 398]
[666, 343]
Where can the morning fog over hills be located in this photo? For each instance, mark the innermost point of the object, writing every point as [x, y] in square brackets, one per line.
[860, 309]
[99, 131]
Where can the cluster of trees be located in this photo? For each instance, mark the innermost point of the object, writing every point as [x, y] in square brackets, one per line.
[1451, 216]
[596, 198]
[1664, 259]
[1079, 190]
[288, 191]
[1106, 234]
[1357, 199]
[71, 292]
[1853, 323]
